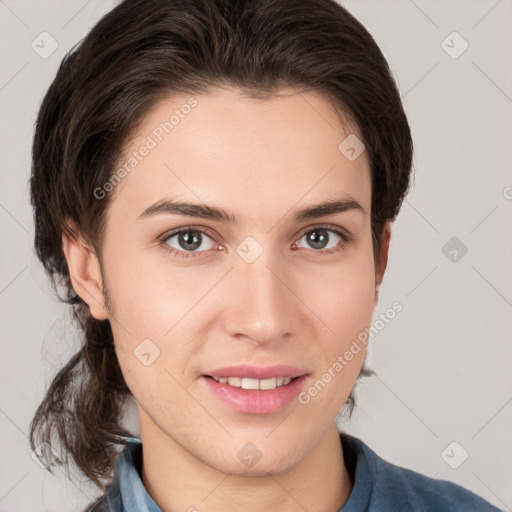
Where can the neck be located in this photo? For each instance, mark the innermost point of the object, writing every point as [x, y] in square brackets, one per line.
[176, 480]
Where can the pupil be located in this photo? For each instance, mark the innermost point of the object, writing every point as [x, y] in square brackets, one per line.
[318, 238]
[193, 240]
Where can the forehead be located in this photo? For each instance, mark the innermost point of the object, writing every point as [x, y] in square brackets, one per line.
[223, 147]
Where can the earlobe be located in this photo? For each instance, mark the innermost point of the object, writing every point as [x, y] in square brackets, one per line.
[85, 274]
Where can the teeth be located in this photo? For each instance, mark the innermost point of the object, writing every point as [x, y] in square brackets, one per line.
[247, 383]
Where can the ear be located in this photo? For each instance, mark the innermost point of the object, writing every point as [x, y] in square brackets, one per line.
[382, 258]
[85, 274]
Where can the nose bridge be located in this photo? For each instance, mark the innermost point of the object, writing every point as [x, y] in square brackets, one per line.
[259, 307]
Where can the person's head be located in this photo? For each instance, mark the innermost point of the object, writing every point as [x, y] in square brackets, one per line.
[255, 111]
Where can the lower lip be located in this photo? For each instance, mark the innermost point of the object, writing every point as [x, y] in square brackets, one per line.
[257, 401]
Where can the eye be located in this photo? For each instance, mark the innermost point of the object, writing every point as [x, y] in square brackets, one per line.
[325, 240]
[187, 240]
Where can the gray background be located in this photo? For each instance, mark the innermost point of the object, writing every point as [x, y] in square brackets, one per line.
[443, 364]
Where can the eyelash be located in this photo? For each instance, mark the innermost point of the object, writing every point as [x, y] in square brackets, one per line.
[345, 240]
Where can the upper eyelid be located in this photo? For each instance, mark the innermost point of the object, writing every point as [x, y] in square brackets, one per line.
[336, 229]
[344, 233]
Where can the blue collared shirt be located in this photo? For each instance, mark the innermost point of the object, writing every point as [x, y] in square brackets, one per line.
[379, 486]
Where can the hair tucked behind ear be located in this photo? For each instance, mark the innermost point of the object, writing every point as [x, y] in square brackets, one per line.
[144, 51]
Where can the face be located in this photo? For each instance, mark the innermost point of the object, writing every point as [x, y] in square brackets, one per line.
[260, 285]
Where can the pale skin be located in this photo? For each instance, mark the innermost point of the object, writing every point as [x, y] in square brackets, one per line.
[261, 160]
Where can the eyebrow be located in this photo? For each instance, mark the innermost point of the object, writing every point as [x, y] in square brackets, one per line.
[171, 207]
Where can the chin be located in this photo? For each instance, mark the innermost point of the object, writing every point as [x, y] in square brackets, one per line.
[258, 466]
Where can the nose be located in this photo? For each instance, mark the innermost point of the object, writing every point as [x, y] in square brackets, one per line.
[259, 302]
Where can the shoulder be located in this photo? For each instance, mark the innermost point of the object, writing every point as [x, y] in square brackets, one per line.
[441, 495]
[100, 505]
[392, 487]
[109, 502]
[112, 500]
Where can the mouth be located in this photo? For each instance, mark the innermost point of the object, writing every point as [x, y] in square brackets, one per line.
[254, 396]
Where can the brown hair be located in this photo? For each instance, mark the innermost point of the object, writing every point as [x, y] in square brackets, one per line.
[139, 53]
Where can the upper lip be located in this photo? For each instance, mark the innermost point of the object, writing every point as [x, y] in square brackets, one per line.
[255, 372]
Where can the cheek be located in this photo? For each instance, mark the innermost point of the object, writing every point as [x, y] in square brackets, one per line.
[345, 304]
[344, 293]
[346, 309]
[157, 302]
[143, 291]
